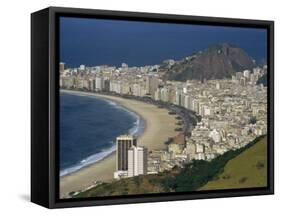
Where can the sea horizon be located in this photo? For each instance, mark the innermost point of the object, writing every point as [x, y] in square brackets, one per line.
[184, 39]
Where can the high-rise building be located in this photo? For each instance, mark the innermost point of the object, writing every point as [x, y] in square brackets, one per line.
[62, 67]
[106, 85]
[165, 93]
[137, 161]
[92, 84]
[124, 65]
[177, 98]
[218, 86]
[151, 84]
[246, 73]
[124, 143]
[82, 67]
[157, 94]
[99, 84]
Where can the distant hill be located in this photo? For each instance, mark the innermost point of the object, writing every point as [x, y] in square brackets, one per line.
[189, 178]
[249, 169]
[217, 62]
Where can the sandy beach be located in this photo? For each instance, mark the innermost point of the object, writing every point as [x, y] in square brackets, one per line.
[159, 126]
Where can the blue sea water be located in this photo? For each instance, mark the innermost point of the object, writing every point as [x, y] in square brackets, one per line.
[89, 127]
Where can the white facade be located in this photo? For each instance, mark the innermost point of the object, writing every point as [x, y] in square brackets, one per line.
[99, 83]
[200, 156]
[165, 94]
[120, 174]
[115, 86]
[178, 98]
[246, 73]
[215, 135]
[82, 67]
[200, 148]
[137, 161]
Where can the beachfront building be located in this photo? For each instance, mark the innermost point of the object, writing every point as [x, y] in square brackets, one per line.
[151, 84]
[232, 112]
[137, 161]
[99, 84]
[62, 67]
[123, 144]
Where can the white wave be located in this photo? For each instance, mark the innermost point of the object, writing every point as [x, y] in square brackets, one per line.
[112, 103]
[89, 160]
[136, 130]
[139, 124]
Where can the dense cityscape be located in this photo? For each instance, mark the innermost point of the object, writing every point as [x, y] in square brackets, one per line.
[228, 113]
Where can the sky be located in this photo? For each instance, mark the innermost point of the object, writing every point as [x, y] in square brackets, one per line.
[94, 42]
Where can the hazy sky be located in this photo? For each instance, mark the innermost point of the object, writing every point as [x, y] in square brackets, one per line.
[99, 41]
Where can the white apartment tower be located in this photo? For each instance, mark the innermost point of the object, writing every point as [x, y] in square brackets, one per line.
[82, 67]
[137, 161]
[99, 84]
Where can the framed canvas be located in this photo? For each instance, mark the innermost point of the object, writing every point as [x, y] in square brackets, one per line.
[139, 107]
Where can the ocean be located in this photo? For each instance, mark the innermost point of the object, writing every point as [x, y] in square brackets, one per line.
[89, 127]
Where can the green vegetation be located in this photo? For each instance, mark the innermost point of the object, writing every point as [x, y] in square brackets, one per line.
[249, 169]
[178, 129]
[179, 123]
[253, 120]
[249, 162]
[169, 141]
[134, 185]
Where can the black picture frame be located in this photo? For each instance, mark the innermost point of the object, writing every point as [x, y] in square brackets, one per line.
[44, 106]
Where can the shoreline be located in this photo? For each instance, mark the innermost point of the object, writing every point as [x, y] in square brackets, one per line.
[158, 121]
[137, 130]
